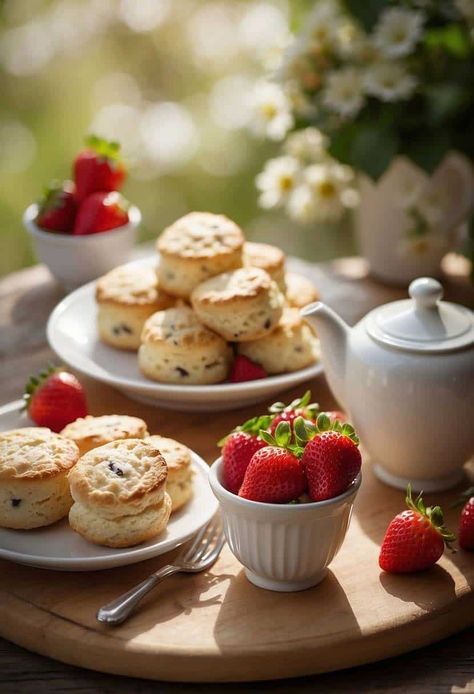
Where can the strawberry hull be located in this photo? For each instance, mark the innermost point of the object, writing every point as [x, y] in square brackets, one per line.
[283, 547]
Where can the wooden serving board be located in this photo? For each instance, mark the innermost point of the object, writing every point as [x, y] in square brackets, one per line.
[217, 626]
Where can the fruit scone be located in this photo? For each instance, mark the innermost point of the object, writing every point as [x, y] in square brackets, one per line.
[119, 494]
[177, 348]
[90, 432]
[196, 247]
[300, 291]
[34, 465]
[245, 304]
[126, 297]
[291, 346]
[268, 258]
[179, 483]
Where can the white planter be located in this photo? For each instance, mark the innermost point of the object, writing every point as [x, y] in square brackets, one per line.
[283, 547]
[406, 198]
[76, 260]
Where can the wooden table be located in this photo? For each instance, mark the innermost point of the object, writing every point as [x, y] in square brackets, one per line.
[26, 299]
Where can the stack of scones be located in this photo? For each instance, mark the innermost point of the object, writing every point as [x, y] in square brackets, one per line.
[117, 484]
[213, 296]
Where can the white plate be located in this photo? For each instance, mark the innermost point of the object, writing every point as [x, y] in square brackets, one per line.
[72, 334]
[58, 547]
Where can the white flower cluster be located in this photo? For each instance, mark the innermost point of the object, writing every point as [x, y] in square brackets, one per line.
[306, 181]
[330, 71]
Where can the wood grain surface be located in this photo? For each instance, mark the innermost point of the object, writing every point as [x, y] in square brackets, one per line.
[39, 603]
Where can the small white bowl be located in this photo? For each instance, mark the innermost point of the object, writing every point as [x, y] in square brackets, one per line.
[283, 547]
[75, 260]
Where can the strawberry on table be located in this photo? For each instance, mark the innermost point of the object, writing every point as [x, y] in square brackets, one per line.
[466, 521]
[415, 538]
[331, 457]
[245, 369]
[98, 168]
[101, 212]
[57, 209]
[55, 398]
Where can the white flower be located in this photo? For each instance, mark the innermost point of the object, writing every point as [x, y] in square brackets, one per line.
[466, 8]
[324, 194]
[322, 23]
[343, 92]
[389, 81]
[301, 103]
[397, 31]
[302, 205]
[308, 145]
[271, 109]
[298, 66]
[277, 181]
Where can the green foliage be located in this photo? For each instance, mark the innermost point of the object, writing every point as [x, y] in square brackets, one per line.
[366, 11]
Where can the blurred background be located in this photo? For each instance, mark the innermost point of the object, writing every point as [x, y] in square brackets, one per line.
[171, 81]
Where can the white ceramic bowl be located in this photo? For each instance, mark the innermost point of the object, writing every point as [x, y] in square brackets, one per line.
[75, 260]
[72, 334]
[283, 547]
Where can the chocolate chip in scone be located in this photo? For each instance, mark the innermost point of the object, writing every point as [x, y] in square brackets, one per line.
[267, 324]
[122, 328]
[15, 502]
[115, 468]
[181, 371]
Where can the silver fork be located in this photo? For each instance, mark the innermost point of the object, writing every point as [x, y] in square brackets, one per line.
[200, 556]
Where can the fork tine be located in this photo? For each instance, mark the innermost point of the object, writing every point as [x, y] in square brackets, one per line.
[186, 554]
[213, 553]
[211, 538]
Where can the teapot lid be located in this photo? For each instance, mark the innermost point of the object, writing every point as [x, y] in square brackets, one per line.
[423, 322]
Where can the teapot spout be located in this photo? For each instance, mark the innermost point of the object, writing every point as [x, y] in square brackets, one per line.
[333, 334]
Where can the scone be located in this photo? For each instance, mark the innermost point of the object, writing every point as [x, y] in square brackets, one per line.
[34, 489]
[179, 483]
[300, 291]
[177, 348]
[126, 297]
[291, 346]
[119, 494]
[196, 247]
[268, 258]
[90, 432]
[245, 304]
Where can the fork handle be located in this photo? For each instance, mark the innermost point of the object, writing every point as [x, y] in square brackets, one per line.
[118, 610]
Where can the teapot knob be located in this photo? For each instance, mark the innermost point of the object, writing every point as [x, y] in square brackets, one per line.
[426, 292]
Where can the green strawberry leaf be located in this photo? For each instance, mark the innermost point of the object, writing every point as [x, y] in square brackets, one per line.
[283, 434]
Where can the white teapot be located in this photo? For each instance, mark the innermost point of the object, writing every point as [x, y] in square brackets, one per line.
[405, 374]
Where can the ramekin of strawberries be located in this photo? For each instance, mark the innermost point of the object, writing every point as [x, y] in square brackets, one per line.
[85, 227]
[286, 484]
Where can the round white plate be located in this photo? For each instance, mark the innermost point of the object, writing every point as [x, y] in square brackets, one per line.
[58, 547]
[72, 334]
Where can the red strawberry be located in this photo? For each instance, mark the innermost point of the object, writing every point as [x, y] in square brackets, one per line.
[415, 538]
[236, 453]
[55, 398]
[98, 168]
[336, 415]
[274, 475]
[101, 212]
[331, 461]
[246, 370]
[300, 407]
[466, 525]
[57, 209]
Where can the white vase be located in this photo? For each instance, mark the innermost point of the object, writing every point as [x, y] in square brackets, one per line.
[408, 220]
